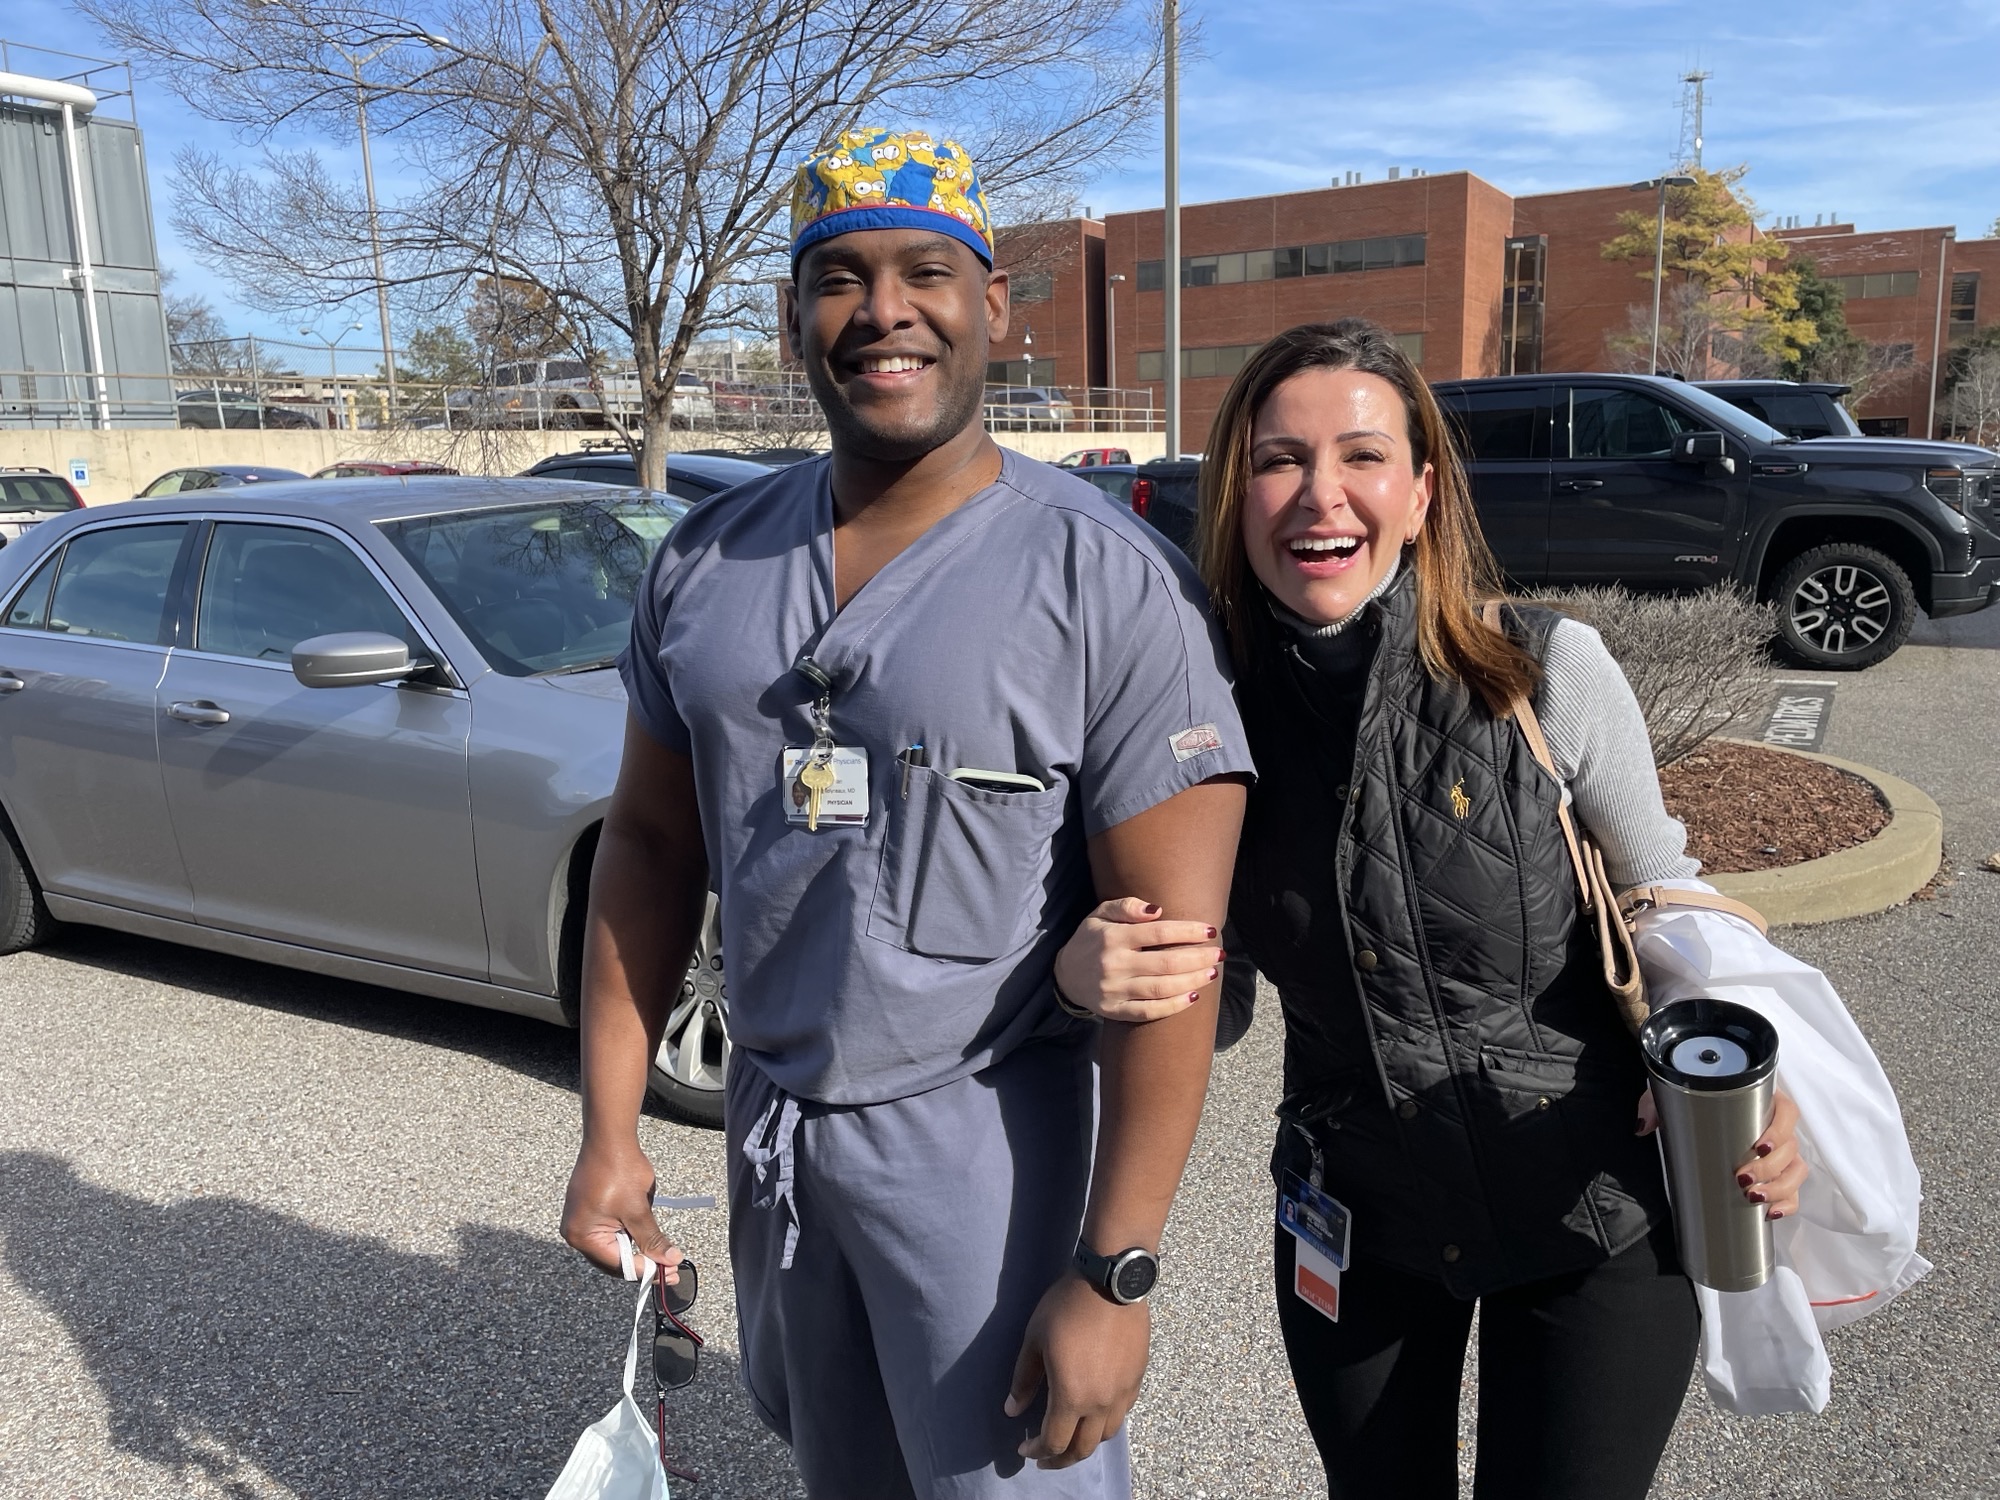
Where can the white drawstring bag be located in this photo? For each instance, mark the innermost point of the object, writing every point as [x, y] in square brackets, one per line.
[618, 1457]
[1852, 1246]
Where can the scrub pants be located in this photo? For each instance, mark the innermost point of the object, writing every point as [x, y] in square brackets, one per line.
[1580, 1378]
[920, 1234]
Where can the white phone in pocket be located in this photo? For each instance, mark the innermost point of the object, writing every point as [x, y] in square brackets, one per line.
[997, 781]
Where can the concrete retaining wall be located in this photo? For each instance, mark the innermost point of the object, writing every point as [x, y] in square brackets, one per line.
[121, 462]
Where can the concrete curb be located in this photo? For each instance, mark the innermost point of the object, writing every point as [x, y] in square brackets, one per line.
[1870, 877]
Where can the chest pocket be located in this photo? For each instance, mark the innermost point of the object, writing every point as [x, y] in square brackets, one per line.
[962, 868]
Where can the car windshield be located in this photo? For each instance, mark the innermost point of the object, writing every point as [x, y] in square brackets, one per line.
[541, 588]
[41, 492]
[1729, 418]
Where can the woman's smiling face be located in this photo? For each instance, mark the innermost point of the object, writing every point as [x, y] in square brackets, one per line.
[1334, 493]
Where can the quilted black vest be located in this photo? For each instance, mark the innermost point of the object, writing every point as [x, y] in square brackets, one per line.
[1476, 1115]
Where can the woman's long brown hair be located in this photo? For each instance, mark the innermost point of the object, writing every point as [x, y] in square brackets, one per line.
[1454, 567]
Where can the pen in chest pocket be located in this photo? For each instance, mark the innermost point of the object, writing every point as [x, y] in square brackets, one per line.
[916, 755]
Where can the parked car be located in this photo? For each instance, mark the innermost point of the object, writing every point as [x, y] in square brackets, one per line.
[561, 393]
[1798, 409]
[771, 458]
[383, 468]
[367, 730]
[691, 476]
[217, 409]
[29, 496]
[1090, 458]
[1662, 486]
[213, 477]
[1022, 408]
[1165, 494]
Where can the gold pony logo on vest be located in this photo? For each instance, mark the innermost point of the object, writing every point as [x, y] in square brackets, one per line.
[1460, 803]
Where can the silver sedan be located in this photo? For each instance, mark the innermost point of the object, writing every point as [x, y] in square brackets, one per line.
[366, 729]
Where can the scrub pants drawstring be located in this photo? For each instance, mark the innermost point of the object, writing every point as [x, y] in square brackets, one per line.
[767, 1146]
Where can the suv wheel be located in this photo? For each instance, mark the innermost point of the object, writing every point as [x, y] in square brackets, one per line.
[1843, 606]
[693, 1061]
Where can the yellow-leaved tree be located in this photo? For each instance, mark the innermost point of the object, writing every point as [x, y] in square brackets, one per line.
[1729, 303]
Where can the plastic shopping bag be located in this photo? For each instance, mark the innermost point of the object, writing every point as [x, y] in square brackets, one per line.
[1852, 1247]
[618, 1457]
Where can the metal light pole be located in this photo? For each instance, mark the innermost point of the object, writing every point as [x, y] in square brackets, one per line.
[332, 345]
[1111, 334]
[1170, 278]
[1659, 254]
[1028, 351]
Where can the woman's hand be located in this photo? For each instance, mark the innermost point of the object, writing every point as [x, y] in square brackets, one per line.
[1775, 1169]
[1125, 964]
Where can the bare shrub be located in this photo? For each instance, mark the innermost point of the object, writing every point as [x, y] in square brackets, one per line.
[1696, 662]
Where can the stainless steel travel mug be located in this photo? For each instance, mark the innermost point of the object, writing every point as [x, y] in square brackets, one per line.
[1713, 1066]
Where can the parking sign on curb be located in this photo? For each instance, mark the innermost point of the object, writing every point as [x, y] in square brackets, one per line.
[79, 473]
[1798, 715]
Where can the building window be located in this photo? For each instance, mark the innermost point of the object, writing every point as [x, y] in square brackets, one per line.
[1219, 362]
[1019, 371]
[1031, 286]
[1521, 305]
[1412, 344]
[1964, 303]
[1383, 253]
[1877, 284]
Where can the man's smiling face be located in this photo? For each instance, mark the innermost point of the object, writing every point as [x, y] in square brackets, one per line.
[894, 326]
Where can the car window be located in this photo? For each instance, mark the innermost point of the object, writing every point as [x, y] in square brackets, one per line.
[266, 588]
[684, 488]
[1496, 426]
[1622, 424]
[1803, 415]
[31, 606]
[166, 484]
[606, 474]
[42, 492]
[198, 479]
[1117, 486]
[112, 584]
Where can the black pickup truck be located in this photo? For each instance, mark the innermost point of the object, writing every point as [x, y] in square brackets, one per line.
[1660, 486]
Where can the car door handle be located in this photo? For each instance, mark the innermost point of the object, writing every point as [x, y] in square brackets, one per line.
[1579, 484]
[9, 683]
[198, 713]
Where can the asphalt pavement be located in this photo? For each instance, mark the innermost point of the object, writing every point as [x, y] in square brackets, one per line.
[272, 1235]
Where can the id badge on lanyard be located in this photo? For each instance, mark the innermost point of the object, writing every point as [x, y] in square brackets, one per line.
[1323, 1229]
[823, 782]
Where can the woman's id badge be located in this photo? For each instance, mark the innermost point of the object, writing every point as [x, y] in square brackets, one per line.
[1321, 1226]
[824, 787]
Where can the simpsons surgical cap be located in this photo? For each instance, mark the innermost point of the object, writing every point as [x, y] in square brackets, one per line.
[885, 179]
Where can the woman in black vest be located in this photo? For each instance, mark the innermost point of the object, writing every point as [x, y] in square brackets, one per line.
[1455, 1072]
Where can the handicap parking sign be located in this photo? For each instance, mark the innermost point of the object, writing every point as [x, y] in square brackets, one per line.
[79, 473]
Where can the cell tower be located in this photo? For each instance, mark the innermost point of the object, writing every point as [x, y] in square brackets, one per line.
[1693, 95]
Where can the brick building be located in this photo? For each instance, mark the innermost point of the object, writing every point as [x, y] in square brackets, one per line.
[1470, 280]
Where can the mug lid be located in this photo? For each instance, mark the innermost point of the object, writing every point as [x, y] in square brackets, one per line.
[1709, 1045]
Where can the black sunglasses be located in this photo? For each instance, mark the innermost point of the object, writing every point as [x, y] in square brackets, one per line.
[676, 1347]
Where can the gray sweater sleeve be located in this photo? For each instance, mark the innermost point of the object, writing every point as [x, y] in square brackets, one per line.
[1597, 738]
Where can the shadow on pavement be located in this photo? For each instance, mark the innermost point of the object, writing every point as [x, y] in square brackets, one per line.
[241, 1346]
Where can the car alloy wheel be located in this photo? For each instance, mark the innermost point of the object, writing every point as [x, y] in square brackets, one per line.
[1843, 606]
[692, 1064]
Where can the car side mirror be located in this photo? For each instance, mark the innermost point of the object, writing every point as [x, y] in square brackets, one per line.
[1699, 448]
[351, 658]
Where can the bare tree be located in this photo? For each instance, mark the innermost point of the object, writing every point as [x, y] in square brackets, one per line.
[1975, 398]
[632, 160]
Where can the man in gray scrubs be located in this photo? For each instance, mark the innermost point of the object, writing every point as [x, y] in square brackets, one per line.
[914, 707]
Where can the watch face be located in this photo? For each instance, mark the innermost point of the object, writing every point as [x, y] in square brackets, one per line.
[1134, 1277]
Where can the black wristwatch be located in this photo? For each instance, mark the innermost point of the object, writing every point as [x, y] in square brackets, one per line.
[1125, 1277]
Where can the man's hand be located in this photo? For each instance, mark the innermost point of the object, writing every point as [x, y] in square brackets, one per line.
[610, 1191]
[1092, 1354]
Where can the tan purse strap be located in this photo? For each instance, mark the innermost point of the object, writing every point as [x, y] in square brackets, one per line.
[1652, 897]
[1538, 746]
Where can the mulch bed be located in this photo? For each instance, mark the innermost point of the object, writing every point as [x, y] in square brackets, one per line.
[1749, 808]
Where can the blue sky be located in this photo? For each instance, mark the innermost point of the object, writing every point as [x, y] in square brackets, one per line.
[1882, 112]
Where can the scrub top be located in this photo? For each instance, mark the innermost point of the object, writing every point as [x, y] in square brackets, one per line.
[1038, 630]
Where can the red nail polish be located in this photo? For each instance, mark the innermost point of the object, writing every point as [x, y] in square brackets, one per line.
[1213, 972]
[1755, 1197]
[1211, 932]
[1152, 911]
[1194, 997]
[1744, 1179]
[1763, 1148]
[1776, 1213]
